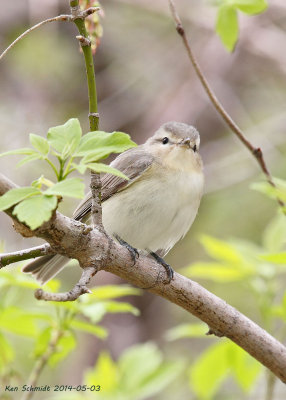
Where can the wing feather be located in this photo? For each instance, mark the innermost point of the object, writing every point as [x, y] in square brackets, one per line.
[132, 163]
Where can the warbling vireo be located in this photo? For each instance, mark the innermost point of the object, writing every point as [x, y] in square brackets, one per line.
[157, 205]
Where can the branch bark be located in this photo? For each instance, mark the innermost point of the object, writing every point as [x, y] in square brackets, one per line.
[94, 249]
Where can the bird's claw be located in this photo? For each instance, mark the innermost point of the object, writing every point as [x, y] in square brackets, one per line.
[133, 252]
[168, 268]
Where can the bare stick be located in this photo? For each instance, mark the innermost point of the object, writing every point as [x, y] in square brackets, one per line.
[79, 289]
[46, 21]
[63, 17]
[255, 151]
[21, 255]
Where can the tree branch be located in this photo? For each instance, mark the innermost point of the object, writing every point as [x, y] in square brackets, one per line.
[255, 151]
[79, 289]
[21, 255]
[96, 251]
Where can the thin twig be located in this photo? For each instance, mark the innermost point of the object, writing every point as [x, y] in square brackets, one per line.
[79, 289]
[64, 17]
[41, 362]
[21, 255]
[255, 151]
[46, 21]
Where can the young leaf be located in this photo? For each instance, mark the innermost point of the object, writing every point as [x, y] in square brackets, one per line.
[211, 367]
[16, 195]
[111, 292]
[221, 250]
[69, 187]
[105, 373]
[36, 210]
[244, 367]
[101, 144]
[250, 6]
[7, 352]
[216, 272]
[25, 150]
[42, 341]
[68, 134]
[99, 167]
[96, 330]
[18, 321]
[227, 26]
[187, 331]
[278, 258]
[29, 158]
[41, 144]
[81, 168]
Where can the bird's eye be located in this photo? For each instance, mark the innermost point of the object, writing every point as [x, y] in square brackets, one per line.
[165, 140]
[195, 148]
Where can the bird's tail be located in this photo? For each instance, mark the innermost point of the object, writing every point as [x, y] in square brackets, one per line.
[46, 267]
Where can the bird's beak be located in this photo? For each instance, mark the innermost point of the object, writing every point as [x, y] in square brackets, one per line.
[185, 142]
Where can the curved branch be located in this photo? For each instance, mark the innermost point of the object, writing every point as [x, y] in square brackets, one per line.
[63, 17]
[94, 249]
[255, 151]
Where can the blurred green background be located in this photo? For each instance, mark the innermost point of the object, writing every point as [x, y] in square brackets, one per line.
[144, 79]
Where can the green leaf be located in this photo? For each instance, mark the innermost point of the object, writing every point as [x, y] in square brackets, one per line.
[18, 151]
[65, 138]
[111, 292]
[273, 192]
[81, 168]
[274, 236]
[209, 371]
[187, 331]
[250, 6]
[119, 307]
[16, 195]
[31, 157]
[244, 367]
[15, 320]
[36, 210]
[221, 250]
[278, 258]
[104, 373]
[41, 144]
[69, 187]
[100, 144]
[138, 362]
[42, 342]
[98, 167]
[6, 352]
[65, 345]
[216, 272]
[227, 26]
[96, 330]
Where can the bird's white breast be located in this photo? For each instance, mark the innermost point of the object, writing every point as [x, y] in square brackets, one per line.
[156, 211]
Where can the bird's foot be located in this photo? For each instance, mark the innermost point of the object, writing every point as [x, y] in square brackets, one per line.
[133, 252]
[168, 268]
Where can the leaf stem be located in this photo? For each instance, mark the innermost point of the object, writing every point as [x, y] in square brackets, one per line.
[89, 65]
[53, 167]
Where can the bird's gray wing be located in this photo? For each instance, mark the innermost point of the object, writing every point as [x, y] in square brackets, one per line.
[132, 163]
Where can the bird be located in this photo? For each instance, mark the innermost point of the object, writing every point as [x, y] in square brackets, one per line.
[152, 210]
